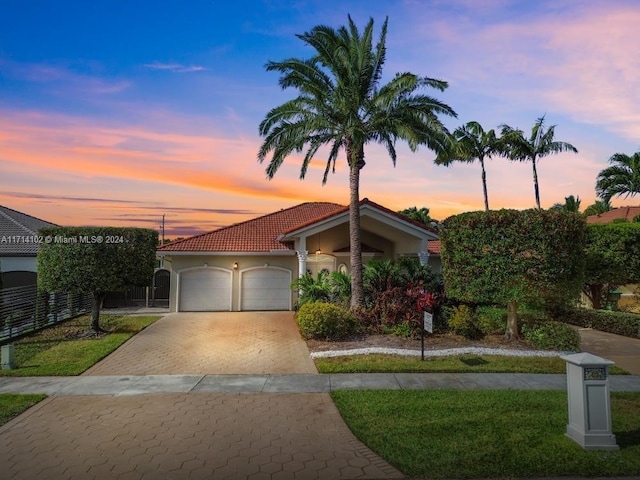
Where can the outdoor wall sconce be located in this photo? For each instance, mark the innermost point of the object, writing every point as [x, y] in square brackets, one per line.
[235, 265]
[318, 252]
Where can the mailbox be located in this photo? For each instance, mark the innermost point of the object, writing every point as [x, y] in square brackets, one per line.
[589, 401]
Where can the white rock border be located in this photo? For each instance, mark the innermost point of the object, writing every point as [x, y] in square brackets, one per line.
[440, 353]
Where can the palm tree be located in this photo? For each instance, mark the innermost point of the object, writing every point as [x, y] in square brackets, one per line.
[538, 145]
[600, 206]
[621, 178]
[419, 215]
[342, 104]
[571, 204]
[471, 142]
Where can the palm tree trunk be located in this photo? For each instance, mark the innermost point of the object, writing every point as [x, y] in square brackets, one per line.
[535, 183]
[484, 184]
[355, 165]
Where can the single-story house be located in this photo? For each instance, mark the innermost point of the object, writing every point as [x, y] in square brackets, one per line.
[19, 246]
[250, 265]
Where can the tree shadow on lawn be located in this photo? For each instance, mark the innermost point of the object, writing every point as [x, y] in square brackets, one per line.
[628, 439]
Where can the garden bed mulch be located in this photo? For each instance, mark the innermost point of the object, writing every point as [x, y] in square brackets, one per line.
[431, 342]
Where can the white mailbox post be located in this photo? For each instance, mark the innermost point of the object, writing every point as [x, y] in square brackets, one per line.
[589, 404]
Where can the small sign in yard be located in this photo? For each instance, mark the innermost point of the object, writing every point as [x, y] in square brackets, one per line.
[428, 322]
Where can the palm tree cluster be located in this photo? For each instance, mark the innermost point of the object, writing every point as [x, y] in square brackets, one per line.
[342, 104]
[471, 142]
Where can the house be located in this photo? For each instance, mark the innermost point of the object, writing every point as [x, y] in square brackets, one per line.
[622, 213]
[250, 265]
[19, 245]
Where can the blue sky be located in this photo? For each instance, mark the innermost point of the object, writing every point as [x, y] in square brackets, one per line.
[119, 112]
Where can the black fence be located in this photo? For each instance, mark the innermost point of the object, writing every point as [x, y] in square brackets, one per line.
[24, 309]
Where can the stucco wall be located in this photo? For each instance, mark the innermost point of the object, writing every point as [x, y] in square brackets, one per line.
[180, 263]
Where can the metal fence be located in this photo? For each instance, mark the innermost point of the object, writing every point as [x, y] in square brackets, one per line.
[24, 309]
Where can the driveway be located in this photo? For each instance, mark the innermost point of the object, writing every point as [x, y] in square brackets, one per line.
[212, 343]
[196, 435]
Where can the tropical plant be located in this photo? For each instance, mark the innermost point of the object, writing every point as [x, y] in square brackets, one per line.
[419, 215]
[334, 287]
[571, 204]
[621, 178]
[472, 142]
[600, 206]
[342, 104]
[539, 144]
[312, 289]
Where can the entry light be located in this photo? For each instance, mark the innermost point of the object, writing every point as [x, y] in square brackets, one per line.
[235, 265]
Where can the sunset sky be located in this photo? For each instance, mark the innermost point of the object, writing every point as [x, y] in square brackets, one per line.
[115, 113]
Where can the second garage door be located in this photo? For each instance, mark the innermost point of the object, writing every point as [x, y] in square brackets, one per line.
[205, 290]
[266, 288]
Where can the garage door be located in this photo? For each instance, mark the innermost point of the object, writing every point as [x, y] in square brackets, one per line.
[265, 289]
[205, 290]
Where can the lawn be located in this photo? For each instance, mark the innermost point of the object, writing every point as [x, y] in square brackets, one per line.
[13, 405]
[69, 348]
[376, 363]
[480, 434]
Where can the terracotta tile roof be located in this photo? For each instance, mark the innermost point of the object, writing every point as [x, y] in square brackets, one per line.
[261, 234]
[16, 228]
[623, 212]
[256, 235]
[364, 201]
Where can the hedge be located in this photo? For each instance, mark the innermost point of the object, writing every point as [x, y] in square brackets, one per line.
[620, 323]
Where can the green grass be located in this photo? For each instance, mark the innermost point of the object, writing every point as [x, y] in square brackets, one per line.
[62, 350]
[377, 363]
[13, 405]
[480, 434]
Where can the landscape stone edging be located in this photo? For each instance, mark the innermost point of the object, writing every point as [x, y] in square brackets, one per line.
[440, 353]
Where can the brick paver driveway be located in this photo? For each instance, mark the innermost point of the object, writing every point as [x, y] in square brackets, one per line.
[195, 435]
[212, 343]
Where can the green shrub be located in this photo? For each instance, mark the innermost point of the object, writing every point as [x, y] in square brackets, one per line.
[492, 320]
[400, 330]
[552, 336]
[463, 322]
[325, 321]
[620, 323]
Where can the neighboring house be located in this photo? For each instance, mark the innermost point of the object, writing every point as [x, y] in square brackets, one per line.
[250, 265]
[629, 293]
[627, 213]
[19, 247]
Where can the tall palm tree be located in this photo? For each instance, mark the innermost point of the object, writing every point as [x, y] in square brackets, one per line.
[342, 104]
[621, 178]
[472, 142]
[539, 144]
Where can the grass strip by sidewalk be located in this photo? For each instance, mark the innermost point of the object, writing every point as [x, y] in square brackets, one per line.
[379, 363]
[69, 348]
[486, 434]
[12, 405]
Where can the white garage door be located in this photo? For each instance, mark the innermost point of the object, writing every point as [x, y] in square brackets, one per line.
[205, 290]
[265, 289]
